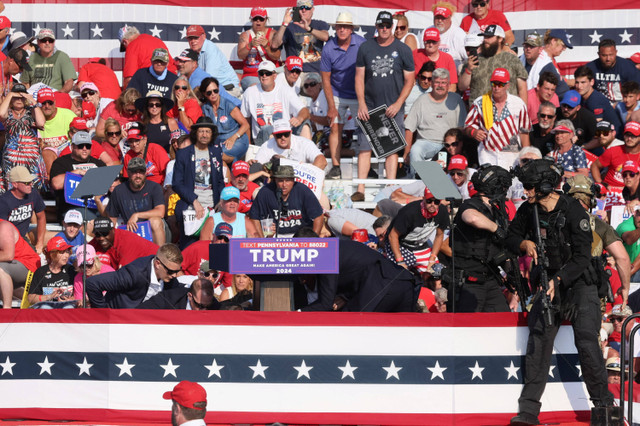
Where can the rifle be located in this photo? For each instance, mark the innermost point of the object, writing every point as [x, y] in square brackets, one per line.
[543, 263]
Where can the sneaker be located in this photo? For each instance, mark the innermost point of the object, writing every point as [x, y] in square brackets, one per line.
[334, 173]
[357, 196]
[523, 419]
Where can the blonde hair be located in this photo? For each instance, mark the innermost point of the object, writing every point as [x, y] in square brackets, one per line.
[128, 97]
[170, 253]
[190, 93]
[446, 5]
[233, 283]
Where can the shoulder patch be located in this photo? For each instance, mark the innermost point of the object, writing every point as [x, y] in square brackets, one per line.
[584, 225]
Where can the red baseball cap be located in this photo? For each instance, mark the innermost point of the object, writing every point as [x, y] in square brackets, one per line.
[630, 166]
[258, 11]
[240, 168]
[88, 110]
[46, 95]
[195, 31]
[294, 62]
[360, 235]
[78, 123]
[632, 127]
[187, 394]
[501, 75]
[442, 11]
[57, 243]
[4, 22]
[63, 100]
[458, 162]
[431, 34]
[134, 134]
[428, 194]
[635, 58]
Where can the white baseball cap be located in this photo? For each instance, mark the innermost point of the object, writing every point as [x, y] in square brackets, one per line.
[267, 66]
[73, 216]
[281, 126]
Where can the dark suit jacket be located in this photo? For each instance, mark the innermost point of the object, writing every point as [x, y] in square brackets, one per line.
[126, 287]
[365, 277]
[184, 173]
[175, 298]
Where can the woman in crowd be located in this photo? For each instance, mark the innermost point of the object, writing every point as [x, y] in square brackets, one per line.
[123, 110]
[631, 190]
[555, 42]
[53, 282]
[22, 119]
[569, 155]
[186, 108]
[228, 212]
[154, 156]
[240, 283]
[254, 46]
[115, 140]
[159, 126]
[481, 17]
[231, 124]
[402, 32]
[92, 104]
[455, 143]
[94, 267]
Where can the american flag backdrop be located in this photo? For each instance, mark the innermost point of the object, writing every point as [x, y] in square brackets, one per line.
[318, 368]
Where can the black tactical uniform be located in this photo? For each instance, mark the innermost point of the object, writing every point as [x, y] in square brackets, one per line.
[475, 249]
[566, 232]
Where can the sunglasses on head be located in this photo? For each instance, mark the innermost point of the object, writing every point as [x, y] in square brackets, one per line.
[498, 84]
[425, 78]
[432, 201]
[401, 27]
[479, 4]
[176, 87]
[111, 134]
[602, 132]
[549, 116]
[88, 93]
[47, 103]
[385, 26]
[258, 18]
[84, 146]
[264, 73]
[283, 135]
[628, 174]
[154, 105]
[312, 84]
[210, 92]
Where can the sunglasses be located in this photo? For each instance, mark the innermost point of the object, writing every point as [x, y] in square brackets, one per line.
[169, 271]
[549, 116]
[385, 26]
[154, 105]
[88, 93]
[283, 135]
[498, 84]
[199, 305]
[258, 18]
[424, 77]
[401, 27]
[210, 92]
[27, 183]
[111, 134]
[479, 4]
[264, 73]
[602, 132]
[193, 37]
[305, 8]
[207, 274]
[180, 87]
[295, 71]
[616, 319]
[84, 146]
[101, 234]
[47, 103]
[628, 174]
[312, 84]
[223, 237]
[47, 40]
[451, 145]
[456, 173]
[432, 201]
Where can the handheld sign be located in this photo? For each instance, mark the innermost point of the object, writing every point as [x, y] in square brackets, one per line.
[382, 132]
[144, 230]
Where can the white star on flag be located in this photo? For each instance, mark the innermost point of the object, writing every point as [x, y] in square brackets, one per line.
[155, 31]
[477, 371]
[68, 31]
[169, 369]
[437, 371]
[595, 37]
[625, 36]
[37, 29]
[214, 369]
[512, 371]
[392, 371]
[332, 32]
[84, 367]
[11, 31]
[360, 32]
[7, 366]
[97, 31]
[45, 366]
[183, 33]
[303, 370]
[569, 37]
[258, 370]
[214, 34]
[125, 367]
[551, 371]
[348, 370]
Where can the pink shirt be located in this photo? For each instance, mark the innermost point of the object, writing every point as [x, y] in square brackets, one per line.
[77, 281]
[533, 104]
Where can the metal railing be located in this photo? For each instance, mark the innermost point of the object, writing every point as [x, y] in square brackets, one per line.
[623, 356]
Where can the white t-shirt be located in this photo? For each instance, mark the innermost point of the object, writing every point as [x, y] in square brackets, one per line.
[301, 150]
[266, 107]
[319, 107]
[281, 80]
[452, 42]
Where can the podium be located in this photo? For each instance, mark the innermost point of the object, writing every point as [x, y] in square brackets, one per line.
[274, 263]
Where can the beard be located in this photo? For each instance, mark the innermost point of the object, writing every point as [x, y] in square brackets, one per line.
[442, 28]
[491, 50]
[545, 126]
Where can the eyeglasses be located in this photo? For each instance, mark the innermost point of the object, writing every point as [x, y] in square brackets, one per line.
[210, 92]
[427, 78]
[628, 174]
[549, 116]
[401, 27]
[169, 271]
[47, 40]
[154, 105]
[456, 173]
[479, 4]
[27, 183]
[98, 234]
[602, 132]
[48, 103]
[88, 93]
[112, 134]
[84, 146]
[176, 87]
[498, 84]
[264, 73]
[283, 135]
[312, 84]
[258, 18]
[385, 26]
[451, 145]
[432, 201]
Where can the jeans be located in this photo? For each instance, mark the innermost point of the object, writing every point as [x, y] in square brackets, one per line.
[424, 150]
[247, 82]
[239, 147]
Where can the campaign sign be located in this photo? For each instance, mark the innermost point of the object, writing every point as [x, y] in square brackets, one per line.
[307, 174]
[144, 230]
[382, 132]
[71, 181]
[614, 197]
[281, 255]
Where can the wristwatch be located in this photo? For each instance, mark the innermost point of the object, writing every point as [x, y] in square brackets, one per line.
[181, 108]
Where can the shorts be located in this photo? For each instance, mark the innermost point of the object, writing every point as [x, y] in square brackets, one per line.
[56, 149]
[17, 271]
[343, 105]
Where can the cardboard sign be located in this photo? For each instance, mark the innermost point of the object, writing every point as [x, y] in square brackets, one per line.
[382, 132]
[308, 175]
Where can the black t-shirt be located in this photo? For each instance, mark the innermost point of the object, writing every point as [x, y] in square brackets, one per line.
[414, 230]
[19, 212]
[302, 207]
[45, 282]
[543, 143]
[61, 166]
[628, 196]
[124, 202]
[584, 123]
[144, 82]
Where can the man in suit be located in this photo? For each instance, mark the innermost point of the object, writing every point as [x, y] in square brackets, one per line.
[138, 281]
[198, 297]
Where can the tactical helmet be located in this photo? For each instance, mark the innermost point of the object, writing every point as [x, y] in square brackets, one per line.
[582, 188]
[543, 174]
[492, 181]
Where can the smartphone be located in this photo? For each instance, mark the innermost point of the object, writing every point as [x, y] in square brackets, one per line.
[295, 14]
[442, 156]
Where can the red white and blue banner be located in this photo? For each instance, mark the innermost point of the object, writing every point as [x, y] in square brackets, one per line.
[260, 367]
